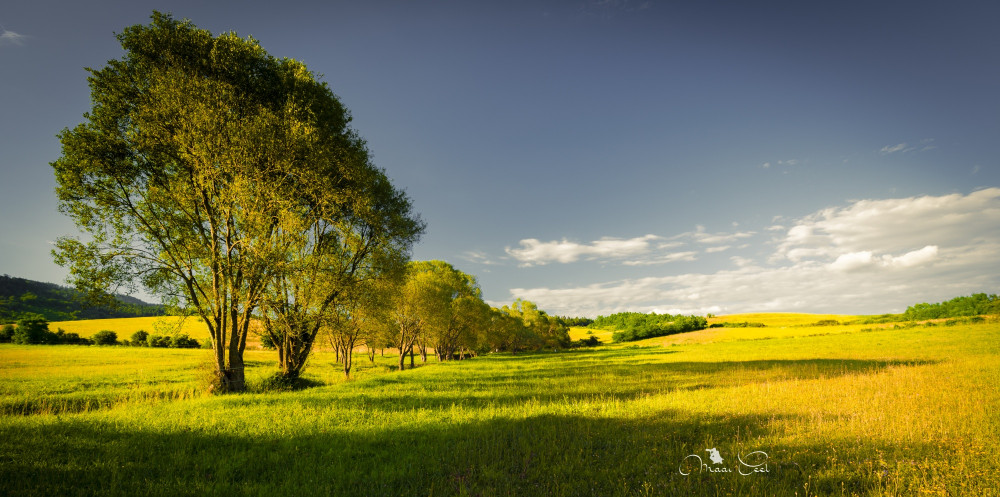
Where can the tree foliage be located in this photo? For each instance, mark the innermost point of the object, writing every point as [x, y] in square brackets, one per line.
[973, 305]
[637, 326]
[222, 178]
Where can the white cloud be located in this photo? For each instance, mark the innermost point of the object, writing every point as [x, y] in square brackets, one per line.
[536, 252]
[870, 256]
[663, 259]
[11, 37]
[891, 149]
[479, 258]
[640, 251]
[723, 248]
[924, 146]
[701, 236]
[855, 261]
[789, 162]
[892, 226]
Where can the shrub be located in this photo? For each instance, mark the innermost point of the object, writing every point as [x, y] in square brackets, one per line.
[7, 333]
[69, 338]
[182, 341]
[138, 338]
[105, 337]
[158, 341]
[266, 342]
[32, 330]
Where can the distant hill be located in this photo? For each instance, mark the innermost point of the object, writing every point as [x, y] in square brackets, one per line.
[19, 296]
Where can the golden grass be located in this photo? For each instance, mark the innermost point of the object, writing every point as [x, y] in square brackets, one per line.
[840, 410]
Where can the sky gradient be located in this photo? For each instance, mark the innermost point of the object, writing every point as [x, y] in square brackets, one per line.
[599, 156]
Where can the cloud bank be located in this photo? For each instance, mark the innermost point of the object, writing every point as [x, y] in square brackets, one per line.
[869, 257]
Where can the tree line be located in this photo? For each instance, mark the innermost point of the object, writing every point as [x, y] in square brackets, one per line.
[973, 305]
[435, 309]
[633, 326]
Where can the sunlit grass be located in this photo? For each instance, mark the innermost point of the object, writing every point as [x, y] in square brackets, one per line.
[884, 412]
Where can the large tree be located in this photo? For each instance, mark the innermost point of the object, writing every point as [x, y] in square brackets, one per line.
[355, 234]
[197, 173]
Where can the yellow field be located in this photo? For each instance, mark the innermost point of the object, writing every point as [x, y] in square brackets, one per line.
[161, 325]
[780, 318]
[581, 333]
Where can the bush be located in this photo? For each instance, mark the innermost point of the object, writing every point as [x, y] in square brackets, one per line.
[32, 330]
[266, 342]
[105, 337]
[138, 338]
[69, 338]
[7, 333]
[182, 341]
[158, 341]
[745, 324]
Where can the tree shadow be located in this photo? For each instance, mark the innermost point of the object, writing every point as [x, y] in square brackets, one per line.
[548, 454]
[545, 380]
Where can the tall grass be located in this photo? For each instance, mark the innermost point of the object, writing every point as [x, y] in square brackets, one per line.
[883, 412]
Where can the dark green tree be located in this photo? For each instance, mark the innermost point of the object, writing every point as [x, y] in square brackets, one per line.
[32, 329]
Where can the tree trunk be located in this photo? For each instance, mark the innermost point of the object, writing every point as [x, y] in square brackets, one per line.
[412, 365]
[233, 378]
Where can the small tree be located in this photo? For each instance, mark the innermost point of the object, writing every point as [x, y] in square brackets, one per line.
[33, 329]
[139, 338]
[7, 333]
[104, 337]
[183, 341]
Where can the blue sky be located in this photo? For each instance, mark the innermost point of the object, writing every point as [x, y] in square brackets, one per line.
[597, 156]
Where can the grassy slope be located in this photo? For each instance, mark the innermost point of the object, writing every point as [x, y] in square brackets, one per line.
[887, 411]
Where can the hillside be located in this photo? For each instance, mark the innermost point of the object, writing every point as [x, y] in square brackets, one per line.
[20, 296]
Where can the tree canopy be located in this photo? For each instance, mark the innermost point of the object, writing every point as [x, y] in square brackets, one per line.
[221, 178]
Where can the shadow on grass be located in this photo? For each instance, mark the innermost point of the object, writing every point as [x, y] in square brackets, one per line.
[539, 455]
[546, 378]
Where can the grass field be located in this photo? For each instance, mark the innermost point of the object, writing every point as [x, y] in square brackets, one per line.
[843, 410]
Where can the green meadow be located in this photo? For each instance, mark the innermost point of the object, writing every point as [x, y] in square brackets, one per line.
[802, 410]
